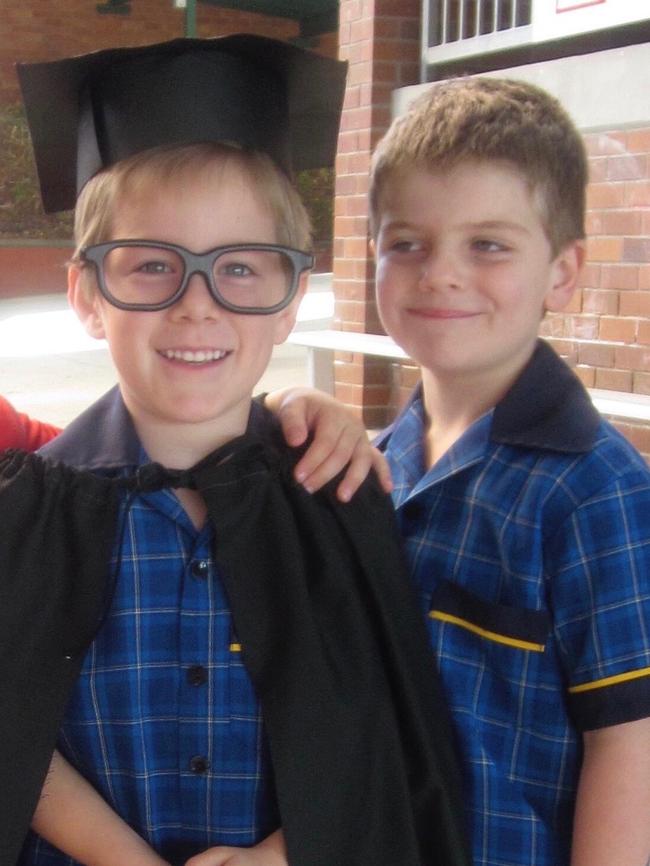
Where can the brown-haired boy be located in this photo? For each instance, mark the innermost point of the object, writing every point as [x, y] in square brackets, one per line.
[524, 514]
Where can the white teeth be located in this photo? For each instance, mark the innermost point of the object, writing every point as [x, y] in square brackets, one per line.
[201, 357]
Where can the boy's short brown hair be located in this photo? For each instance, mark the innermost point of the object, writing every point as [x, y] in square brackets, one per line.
[487, 119]
[134, 176]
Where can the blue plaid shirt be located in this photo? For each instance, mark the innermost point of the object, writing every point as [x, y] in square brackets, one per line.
[164, 721]
[529, 542]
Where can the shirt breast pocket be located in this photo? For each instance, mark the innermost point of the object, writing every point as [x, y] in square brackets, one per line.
[519, 628]
[493, 657]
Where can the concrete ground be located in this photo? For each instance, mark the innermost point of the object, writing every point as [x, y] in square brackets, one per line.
[52, 370]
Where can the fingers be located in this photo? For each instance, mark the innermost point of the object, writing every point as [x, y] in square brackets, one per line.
[291, 407]
[214, 857]
[335, 446]
[325, 460]
[364, 459]
[331, 450]
[226, 856]
[269, 852]
[381, 467]
[339, 441]
[294, 422]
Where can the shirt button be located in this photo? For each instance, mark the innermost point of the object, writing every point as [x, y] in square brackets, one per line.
[199, 764]
[197, 675]
[200, 568]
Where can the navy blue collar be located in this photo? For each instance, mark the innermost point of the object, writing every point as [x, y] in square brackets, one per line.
[546, 408]
[103, 438]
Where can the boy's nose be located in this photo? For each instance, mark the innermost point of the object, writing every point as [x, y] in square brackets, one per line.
[196, 301]
[440, 270]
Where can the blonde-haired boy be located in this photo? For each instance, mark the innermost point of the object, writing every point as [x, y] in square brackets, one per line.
[207, 645]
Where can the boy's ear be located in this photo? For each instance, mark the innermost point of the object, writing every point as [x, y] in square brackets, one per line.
[286, 319]
[565, 271]
[84, 305]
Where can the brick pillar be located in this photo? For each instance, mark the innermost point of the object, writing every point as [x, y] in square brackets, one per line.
[380, 40]
[605, 333]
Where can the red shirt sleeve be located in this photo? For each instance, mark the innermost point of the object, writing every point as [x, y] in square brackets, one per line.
[19, 431]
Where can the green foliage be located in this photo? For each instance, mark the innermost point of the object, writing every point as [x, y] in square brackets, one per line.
[21, 213]
[316, 187]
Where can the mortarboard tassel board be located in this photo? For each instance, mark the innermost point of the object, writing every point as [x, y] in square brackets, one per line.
[259, 93]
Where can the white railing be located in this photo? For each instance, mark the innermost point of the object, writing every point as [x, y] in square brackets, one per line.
[453, 29]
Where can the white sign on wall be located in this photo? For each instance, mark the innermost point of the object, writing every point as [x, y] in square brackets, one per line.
[570, 5]
[554, 19]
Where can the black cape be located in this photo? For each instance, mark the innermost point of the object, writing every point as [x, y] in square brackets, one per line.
[331, 635]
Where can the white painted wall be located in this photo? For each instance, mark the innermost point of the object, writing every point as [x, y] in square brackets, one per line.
[603, 90]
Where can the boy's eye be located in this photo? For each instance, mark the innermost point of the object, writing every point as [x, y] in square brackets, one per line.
[155, 267]
[135, 262]
[405, 247]
[484, 245]
[235, 269]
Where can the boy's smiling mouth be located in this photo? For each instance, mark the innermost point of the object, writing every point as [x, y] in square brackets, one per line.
[442, 313]
[194, 356]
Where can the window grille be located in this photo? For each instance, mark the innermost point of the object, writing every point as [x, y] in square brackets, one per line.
[457, 28]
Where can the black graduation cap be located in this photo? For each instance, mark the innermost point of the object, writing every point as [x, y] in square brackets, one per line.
[88, 112]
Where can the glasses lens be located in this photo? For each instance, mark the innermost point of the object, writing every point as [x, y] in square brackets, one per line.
[142, 274]
[254, 278]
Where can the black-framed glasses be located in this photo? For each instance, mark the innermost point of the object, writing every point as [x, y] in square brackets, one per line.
[256, 279]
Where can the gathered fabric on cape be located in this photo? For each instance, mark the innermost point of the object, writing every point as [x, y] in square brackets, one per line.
[330, 630]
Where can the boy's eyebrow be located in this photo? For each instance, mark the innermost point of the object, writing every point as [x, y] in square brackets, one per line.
[401, 224]
[482, 225]
[486, 225]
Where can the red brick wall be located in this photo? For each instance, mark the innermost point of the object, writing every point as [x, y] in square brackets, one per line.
[45, 30]
[380, 40]
[605, 334]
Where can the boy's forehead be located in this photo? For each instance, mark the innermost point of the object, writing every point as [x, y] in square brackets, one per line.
[405, 197]
[212, 177]
[259, 93]
[201, 205]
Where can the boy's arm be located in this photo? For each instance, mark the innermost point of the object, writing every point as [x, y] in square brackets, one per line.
[339, 438]
[612, 818]
[270, 852]
[72, 816]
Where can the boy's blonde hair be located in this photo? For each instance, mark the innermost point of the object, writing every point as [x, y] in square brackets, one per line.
[485, 119]
[95, 210]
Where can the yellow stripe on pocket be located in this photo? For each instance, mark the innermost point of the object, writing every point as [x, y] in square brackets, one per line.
[235, 647]
[485, 633]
